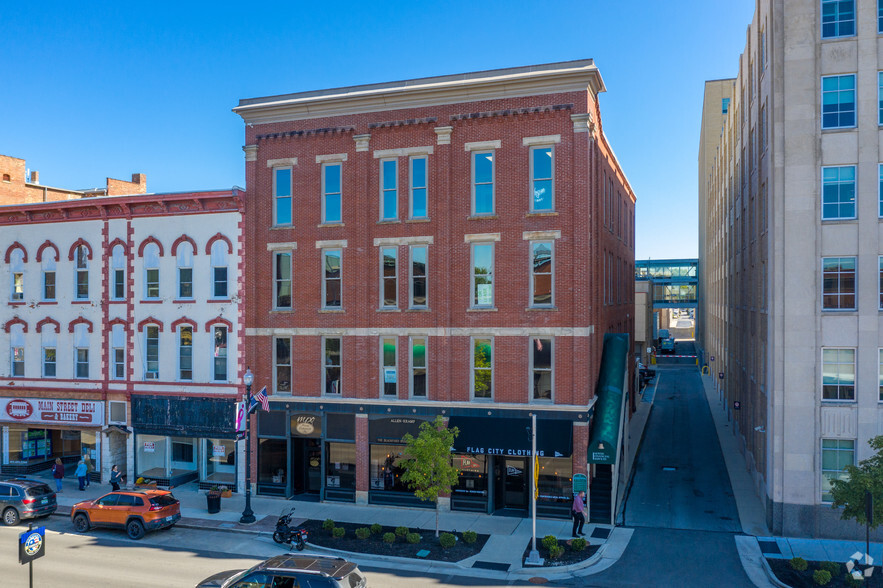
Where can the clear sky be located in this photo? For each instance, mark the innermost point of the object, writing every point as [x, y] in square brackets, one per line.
[114, 88]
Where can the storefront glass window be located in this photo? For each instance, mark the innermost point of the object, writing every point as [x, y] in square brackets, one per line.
[89, 447]
[555, 480]
[220, 461]
[183, 455]
[385, 471]
[472, 480]
[272, 454]
[340, 465]
[151, 456]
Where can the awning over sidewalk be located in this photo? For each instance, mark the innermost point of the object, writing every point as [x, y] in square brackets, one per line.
[511, 436]
[605, 426]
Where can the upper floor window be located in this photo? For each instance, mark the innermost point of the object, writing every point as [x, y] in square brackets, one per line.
[388, 277]
[838, 374]
[185, 270]
[17, 346]
[282, 278]
[542, 183]
[49, 343]
[542, 273]
[419, 204]
[151, 353]
[838, 18]
[417, 286]
[725, 105]
[48, 266]
[219, 269]
[81, 260]
[151, 271]
[418, 367]
[17, 270]
[118, 272]
[331, 364]
[838, 101]
[185, 353]
[219, 354]
[281, 196]
[331, 278]
[880, 374]
[838, 283]
[880, 262]
[388, 366]
[483, 182]
[541, 367]
[482, 274]
[879, 16]
[482, 367]
[282, 361]
[81, 351]
[836, 455]
[331, 193]
[118, 352]
[389, 189]
[838, 192]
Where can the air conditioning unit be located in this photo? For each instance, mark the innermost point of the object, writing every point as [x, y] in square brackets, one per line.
[151, 376]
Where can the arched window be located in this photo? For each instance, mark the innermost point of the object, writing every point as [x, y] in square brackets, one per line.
[118, 272]
[81, 350]
[48, 268]
[151, 352]
[118, 352]
[185, 270]
[81, 259]
[17, 271]
[17, 345]
[185, 352]
[151, 271]
[49, 344]
[219, 270]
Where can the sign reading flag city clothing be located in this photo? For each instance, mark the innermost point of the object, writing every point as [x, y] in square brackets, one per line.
[52, 411]
[31, 545]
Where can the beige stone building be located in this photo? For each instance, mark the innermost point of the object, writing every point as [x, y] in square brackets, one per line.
[790, 252]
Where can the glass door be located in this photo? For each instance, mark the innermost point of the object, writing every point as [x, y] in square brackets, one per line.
[514, 483]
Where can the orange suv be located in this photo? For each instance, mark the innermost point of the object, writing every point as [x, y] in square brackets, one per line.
[136, 511]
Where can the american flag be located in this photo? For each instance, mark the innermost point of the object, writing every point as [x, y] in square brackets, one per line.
[261, 397]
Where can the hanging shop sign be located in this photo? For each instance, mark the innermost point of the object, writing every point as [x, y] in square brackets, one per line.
[306, 425]
[52, 411]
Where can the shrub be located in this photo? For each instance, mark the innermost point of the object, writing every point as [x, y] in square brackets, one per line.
[338, 532]
[852, 582]
[447, 540]
[376, 528]
[832, 567]
[470, 537]
[363, 532]
[821, 577]
[401, 531]
[549, 541]
[798, 563]
[389, 538]
[555, 552]
[328, 525]
[578, 544]
[413, 538]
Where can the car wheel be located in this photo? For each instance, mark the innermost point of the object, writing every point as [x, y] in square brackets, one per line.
[10, 517]
[81, 523]
[135, 529]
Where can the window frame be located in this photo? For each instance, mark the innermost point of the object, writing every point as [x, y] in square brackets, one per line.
[277, 197]
[473, 295]
[825, 472]
[838, 23]
[78, 363]
[181, 355]
[383, 393]
[45, 362]
[472, 371]
[532, 381]
[17, 283]
[412, 187]
[326, 194]
[384, 304]
[326, 280]
[326, 366]
[533, 274]
[839, 294]
[277, 281]
[286, 366]
[880, 373]
[839, 386]
[213, 330]
[81, 272]
[412, 367]
[412, 278]
[13, 351]
[839, 112]
[118, 367]
[147, 353]
[534, 179]
[493, 183]
[45, 286]
[394, 190]
[839, 184]
[216, 281]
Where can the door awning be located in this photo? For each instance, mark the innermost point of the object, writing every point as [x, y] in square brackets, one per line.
[605, 425]
[511, 436]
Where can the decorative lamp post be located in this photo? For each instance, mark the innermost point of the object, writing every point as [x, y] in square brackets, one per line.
[247, 514]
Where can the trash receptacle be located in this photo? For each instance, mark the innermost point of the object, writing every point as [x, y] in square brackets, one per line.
[213, 501]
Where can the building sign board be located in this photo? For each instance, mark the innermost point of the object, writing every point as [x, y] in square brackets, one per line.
[52, 411]
[306, 425]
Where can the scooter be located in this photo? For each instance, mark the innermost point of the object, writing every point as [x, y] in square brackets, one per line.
[286, 533]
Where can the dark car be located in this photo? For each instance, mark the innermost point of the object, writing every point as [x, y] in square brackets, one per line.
[292, 571]
[21, 498]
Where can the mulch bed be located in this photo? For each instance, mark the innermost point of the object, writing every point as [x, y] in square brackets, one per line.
[787, 575]
[401, 548]
[569, 557]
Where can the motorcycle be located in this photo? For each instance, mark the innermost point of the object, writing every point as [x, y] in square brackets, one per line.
[286, 533]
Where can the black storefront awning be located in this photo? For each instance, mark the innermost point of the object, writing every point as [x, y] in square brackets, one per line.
[183, 417]
[511, 436]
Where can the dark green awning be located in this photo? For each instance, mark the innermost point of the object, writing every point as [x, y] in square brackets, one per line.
[605, 425]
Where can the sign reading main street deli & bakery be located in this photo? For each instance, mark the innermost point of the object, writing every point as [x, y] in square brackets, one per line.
[52, 411]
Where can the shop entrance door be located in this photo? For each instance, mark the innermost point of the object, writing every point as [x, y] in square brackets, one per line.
[510, 483]
[306, 464]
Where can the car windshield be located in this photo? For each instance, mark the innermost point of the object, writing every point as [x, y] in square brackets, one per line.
[41, 490]
[163, 500]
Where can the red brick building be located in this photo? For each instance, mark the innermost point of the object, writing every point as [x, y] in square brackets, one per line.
[456, 245]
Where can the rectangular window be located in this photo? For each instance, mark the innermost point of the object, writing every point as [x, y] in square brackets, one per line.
[388, 366]
[81, 368]
[541, 367]
[82, 284]
[119, 363]
[119, 284]
[880, 95]
[331, 365]
[418, 276]
[389, 193]
[388, 277]
[880, 374]
[331, 278]
[151, 367]
[219, 355]
[483, 275]
[18, 286]
[542, 184]
[483, 182]
[152, 279]
[838, 18]
[482, 368]
[838, 374]
[185, 282]
[418, 367]
[880, 190]
[838, 192]
[331, 193]
[836, 455]
[879, 16]
[185, 353]
[725, 105]
[838, 101]
[283, 365]
[282, 269]
[48, 285]
[282, 196]
[838, 283]
[763, 129]
[419, 203]
[219, 279]
[49, 362]
[542, 273]
[18, 362]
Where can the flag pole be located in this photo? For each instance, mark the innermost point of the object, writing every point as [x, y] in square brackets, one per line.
[534, 557]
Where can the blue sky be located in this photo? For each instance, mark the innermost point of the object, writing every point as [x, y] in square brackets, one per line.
[148, 87]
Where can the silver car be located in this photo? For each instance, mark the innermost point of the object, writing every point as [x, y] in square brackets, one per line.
[290, 571]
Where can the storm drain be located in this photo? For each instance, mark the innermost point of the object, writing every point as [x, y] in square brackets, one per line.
[600, 533]
[769, 547]
[491, 565]
[669, 468]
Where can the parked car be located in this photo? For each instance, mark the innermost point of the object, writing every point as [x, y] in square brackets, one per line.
[136, 511]
[289, 571]
[21, 498]
[662, 334]
[668, 345]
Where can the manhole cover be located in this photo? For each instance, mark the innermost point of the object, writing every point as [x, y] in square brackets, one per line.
[669, 468]
[536, 580]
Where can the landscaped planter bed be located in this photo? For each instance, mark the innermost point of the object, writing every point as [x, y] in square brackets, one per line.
[569, 557]
[800, 579]
[375, 545]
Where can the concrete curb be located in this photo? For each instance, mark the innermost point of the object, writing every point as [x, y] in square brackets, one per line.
[755, 564]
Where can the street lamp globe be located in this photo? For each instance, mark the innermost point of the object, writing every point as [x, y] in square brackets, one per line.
[248, 378]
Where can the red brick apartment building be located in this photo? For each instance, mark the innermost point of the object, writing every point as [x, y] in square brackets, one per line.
[456, 245]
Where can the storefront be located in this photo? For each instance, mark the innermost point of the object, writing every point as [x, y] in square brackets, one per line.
[180, 440]
[37, 431]
[386, 451]
[340, 457]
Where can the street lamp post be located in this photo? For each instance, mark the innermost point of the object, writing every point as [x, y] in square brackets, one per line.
[247, 514]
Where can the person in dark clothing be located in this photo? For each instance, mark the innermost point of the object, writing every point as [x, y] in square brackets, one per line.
[577, 511]
[58, 473]
[116, 476]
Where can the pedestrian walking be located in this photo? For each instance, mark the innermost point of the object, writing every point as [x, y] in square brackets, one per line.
[58, 473]
[80, 473]
[116, 477]
[578, 513]
[89, 468]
